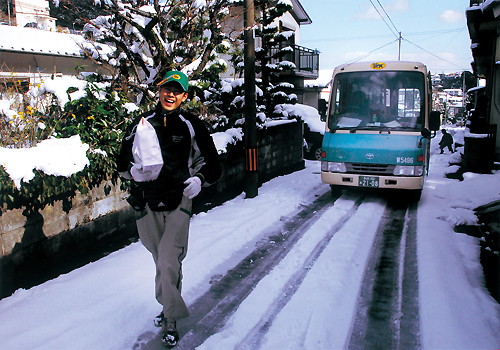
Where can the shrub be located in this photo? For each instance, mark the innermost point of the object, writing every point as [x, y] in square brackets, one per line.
[100, 118]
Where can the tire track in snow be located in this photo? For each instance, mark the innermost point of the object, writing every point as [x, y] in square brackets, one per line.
[254, 339]
[387, 316]
[211, 311]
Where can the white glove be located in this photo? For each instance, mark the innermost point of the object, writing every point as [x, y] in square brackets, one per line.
[145, 173]
[193, 187]
[139, 174]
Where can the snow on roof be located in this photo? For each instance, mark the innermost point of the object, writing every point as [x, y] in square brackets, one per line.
[40, 41]
[44, 42]
[475, 88]
[484, 6]
[323, 80]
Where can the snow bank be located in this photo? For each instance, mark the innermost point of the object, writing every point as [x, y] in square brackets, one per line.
[59, 157]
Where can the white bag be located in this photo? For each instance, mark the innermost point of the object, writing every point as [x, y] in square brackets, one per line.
[147, 153]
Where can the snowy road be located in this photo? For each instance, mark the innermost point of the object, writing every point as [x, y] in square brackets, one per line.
[387, 314]
[321, 287]
[379, 320]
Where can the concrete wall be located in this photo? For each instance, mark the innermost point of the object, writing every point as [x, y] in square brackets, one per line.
[42, 245]
[20, 229]
[280, 151]
[37, 246]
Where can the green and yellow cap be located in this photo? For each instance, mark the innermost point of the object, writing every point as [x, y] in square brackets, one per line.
[176, 76]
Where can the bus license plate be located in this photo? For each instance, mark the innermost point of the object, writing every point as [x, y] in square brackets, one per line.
[368, 181]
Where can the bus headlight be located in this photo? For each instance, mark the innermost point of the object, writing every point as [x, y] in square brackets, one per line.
[406, 170]
[333, 167]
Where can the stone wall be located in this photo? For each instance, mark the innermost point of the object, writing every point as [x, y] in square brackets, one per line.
[37, 246]
[20, 230]
[42, 245]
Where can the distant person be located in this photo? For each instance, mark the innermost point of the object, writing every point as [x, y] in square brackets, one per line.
[188, 159]
[446, 141]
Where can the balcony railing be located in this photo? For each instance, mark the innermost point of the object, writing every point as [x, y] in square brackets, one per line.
[306, 60]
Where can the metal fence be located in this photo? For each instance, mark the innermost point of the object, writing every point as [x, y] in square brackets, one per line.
[305, 60]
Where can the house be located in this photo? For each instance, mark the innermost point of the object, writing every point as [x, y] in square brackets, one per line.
[28, 50]
[31, 48]
[482, 146]
[34, 14]
[306, 60]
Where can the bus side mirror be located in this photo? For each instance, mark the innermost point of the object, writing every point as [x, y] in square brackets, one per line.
[322, 109]
[434, 120]
[426, 133]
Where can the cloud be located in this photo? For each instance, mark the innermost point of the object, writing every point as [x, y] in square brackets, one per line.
[371, 14]
[451, 16]
[400, 5]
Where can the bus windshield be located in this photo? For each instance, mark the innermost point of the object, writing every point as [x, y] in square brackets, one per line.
[392, 100]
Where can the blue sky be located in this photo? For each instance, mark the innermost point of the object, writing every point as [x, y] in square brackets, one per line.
[434, 32]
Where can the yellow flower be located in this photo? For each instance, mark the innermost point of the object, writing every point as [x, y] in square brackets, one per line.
[91, 117]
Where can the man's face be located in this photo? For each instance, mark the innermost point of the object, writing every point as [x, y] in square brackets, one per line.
[171, 96]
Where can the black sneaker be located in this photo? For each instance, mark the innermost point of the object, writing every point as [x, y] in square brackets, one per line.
[158, 320]
[170, 336]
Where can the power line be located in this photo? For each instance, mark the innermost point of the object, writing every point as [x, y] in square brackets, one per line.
[421, 48]
[430, 53]
[398, 35]
[388, 26]
[349, 38]
[388, 17]
[443, 31]
[369, 53]
[365, 37]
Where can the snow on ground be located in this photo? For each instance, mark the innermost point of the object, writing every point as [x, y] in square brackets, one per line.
[107, 304]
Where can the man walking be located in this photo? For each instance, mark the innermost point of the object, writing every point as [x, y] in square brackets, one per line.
[446, 141]
[163, 204]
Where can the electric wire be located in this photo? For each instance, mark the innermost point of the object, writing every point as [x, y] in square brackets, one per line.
[430, 53]
[388, 26]
[369, 53]
[353, 38]
[383, 9]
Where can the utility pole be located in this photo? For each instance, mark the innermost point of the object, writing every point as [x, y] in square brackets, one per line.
[8, 11]
[251, 157]
[399, 53]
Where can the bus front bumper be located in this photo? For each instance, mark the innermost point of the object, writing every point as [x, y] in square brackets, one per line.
[373, 181]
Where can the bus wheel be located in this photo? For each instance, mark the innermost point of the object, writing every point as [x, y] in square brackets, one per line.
[415, 195]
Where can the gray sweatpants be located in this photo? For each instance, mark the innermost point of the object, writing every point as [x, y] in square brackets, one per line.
[165, 235]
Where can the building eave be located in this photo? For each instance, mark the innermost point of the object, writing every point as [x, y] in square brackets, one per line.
[300, 13]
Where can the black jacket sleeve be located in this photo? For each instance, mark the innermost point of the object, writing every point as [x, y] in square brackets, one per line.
[211, 170]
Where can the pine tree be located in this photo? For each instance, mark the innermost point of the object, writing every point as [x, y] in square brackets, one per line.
[271, 57]
[227, 96]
